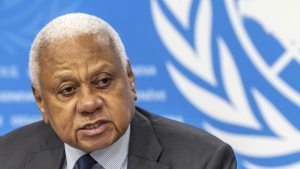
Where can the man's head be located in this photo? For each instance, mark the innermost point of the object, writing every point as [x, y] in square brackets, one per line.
[82, 81]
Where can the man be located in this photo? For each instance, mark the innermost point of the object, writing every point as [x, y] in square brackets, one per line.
[84, 87]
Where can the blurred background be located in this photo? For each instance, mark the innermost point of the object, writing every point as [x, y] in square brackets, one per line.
[230, 67]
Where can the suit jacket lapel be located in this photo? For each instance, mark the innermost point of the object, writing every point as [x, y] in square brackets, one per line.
[144, 148]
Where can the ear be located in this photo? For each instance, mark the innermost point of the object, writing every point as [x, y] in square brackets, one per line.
[130, 76]
[40, 103]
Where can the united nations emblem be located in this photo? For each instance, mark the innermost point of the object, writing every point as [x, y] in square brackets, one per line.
[245, 55]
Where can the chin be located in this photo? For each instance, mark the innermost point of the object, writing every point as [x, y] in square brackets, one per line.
[94, 146]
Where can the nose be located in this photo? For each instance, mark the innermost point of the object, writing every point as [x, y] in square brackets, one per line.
[88, 102]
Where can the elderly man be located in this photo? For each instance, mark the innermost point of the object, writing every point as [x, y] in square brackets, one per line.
[84, 87]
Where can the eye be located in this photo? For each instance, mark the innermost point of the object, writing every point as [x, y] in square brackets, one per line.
[102, 83]
[67, 91]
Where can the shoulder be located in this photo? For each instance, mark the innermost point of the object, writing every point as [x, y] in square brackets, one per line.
[26, 140]
[190, 145]
[167, 129]
[32, 132]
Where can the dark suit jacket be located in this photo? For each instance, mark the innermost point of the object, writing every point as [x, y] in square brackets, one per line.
[155, 143]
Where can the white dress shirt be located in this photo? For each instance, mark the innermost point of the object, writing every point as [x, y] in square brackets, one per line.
[112, 157]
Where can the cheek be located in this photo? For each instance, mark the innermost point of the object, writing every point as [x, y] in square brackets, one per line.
[121, 121]
[123, 110]
[61, 121]
[64, 126]
[61, 117]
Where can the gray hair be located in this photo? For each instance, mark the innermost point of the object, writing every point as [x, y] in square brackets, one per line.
[68, 26]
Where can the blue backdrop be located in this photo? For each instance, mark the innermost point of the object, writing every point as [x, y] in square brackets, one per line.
[227, 66]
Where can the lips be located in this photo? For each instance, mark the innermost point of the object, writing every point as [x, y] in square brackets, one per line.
[93, 125]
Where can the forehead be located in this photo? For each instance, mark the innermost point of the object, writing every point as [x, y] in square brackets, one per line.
[73, 46]
[77, 54]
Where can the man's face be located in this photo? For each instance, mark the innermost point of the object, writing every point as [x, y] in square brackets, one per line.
[86, 95]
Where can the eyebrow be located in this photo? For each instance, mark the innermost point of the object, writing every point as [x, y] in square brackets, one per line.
[101, 69]
[63, 78]
[96, 71]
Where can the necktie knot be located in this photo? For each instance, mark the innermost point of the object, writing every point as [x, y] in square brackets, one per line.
[85, 162]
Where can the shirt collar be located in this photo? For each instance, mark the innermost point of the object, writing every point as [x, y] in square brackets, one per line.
[109, 157]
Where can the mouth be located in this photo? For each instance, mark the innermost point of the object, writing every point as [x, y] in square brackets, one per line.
[96, 127]
[92, 126]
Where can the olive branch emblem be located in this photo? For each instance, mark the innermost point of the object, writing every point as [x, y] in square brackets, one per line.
[236, 109]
